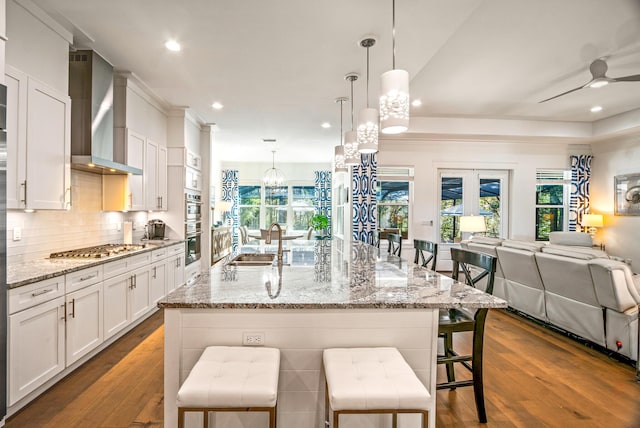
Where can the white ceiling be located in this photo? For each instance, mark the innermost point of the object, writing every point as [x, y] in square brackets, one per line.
[278, 65]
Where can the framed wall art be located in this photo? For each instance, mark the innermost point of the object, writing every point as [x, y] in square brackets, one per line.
[627, 191]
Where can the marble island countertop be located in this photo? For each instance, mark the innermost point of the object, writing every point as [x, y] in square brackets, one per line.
[19, 274]
[333, 275]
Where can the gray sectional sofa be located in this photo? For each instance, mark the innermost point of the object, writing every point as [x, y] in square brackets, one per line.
[569, 284]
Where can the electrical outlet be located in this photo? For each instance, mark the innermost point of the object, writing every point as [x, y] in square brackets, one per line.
[17, 233]
[253, 338]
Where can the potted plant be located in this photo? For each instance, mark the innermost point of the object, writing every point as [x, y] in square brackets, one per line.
[319, 223]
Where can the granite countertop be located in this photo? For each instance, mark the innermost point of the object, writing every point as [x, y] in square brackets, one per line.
[328, 275]
[19, 274]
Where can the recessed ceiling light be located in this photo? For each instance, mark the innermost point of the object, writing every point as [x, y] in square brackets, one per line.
[172, 45]
[416, 103]
[217, 105]
[326, 125]
[596, 109]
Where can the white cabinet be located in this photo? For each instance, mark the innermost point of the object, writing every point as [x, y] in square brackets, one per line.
[139, 302]
[175, 272]
[193, 179]
[116, 308]
[158, 282]
[84, 321]
[36, 347]
[135, 156]
[39, 143]
[155, 176]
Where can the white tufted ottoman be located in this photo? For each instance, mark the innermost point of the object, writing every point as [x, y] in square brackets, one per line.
[372, 380]
[231, 379]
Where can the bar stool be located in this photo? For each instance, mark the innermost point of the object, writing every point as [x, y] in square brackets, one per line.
[372, 380]
[395, 244]
[231, 379]
[456, 320]
[423, 247]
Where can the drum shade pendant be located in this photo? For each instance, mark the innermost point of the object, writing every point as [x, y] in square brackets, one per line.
[351, 154]
[273, 176]
[368, 117]
[339, 149]
[394, 87]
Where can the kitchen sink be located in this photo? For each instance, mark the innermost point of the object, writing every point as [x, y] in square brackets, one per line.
[250, 259]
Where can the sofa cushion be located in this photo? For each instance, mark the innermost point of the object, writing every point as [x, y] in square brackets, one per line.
[523, 245]
[571, 238]
[486, 240]
[581, 253]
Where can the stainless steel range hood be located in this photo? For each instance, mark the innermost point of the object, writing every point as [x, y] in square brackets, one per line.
[91, 92]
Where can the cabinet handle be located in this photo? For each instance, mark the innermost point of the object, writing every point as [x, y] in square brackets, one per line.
[68, 204]
[159, 202]
[135, 281]
[154, 272]
[73, 308]
[130, 200]
[24, 185]
[84, 278]
[41, 292]
[131, 282]
[64, 311]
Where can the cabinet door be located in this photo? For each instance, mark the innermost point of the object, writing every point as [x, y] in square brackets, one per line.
[136, 157]
[48, 148]
[116, 308]
[36, 347]
[162, 177]
[193, 179]
[16, 82]
[158, 282]
[151, 176]
[175, 272]
[84, 322]
[139, 303]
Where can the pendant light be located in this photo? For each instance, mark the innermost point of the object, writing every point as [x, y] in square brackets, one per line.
[368, 117]
[351, 154]
[339, 149]
[273, 176]
[394, 87]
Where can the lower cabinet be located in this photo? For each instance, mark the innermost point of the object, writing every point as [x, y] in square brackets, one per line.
[158, 282]
[139, 302]
[175, 271]
[36, 347]
[116, 308]
[84, 321]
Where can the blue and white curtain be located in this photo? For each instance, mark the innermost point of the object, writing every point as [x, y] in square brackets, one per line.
[364, 212]
[230, 193]
[322, 195]
[579, 201]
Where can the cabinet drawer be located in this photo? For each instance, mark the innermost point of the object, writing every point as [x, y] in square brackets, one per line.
[77, 280]
[175, 250]
[33, 294]
[112, 269]
[140, 260]
[158, 254]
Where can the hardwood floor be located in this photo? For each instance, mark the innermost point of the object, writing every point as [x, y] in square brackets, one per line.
[534, 377]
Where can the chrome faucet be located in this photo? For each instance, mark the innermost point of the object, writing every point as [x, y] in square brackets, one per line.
[268, 239]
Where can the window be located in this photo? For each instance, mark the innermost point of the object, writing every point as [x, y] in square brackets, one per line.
[249, 204]
[552, 198]
[276, 200]
[302, 206]
[393, 205]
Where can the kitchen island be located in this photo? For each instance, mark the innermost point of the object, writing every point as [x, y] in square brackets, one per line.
[327, 294]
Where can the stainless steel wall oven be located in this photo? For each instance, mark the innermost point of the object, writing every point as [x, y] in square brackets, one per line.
[192, 226]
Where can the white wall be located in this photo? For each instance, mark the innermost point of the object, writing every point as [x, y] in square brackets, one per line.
[522, 159]
[295, 173]
[620, 234]
[44, 232]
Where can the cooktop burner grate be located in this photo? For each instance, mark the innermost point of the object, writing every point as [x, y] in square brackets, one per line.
[97, 252]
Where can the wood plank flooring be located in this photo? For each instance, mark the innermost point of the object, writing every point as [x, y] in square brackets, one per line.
[533, 378]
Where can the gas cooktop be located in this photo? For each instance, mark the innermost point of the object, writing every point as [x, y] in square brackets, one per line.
[97, 252]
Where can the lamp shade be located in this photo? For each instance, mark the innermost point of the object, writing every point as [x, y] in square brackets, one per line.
[368, 131]
[225, 206]
[351, 154]
[394, 102]
[339, 159]
[591, 220]
[472, 223]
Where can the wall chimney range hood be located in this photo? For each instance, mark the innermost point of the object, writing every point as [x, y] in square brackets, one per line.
[91, 92]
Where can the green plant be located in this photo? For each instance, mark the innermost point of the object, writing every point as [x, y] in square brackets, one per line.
[319, 222]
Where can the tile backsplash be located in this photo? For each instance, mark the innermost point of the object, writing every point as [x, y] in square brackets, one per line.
[44, 232]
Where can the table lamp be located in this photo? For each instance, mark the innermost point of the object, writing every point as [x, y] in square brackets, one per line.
[591, 222]
[225, 208]
[472, 224]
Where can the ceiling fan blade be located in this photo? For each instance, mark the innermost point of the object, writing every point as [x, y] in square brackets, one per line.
[634, 78]
[564, 93]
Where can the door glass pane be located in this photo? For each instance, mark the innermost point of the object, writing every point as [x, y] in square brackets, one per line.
[451, 209]
[548, 220]
[490, 190]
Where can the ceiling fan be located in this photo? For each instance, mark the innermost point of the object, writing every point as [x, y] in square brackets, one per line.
[598, 69]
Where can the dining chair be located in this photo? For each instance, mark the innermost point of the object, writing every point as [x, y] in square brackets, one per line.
[375, 238]
[395, 244]
[431, 248]
[456, 320]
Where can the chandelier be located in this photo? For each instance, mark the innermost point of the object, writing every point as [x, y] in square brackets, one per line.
[273, 176]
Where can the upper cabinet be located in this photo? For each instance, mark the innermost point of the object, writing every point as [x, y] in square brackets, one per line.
[38, 144]
[155, 176]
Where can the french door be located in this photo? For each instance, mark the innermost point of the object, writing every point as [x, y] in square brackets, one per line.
[465, 192]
